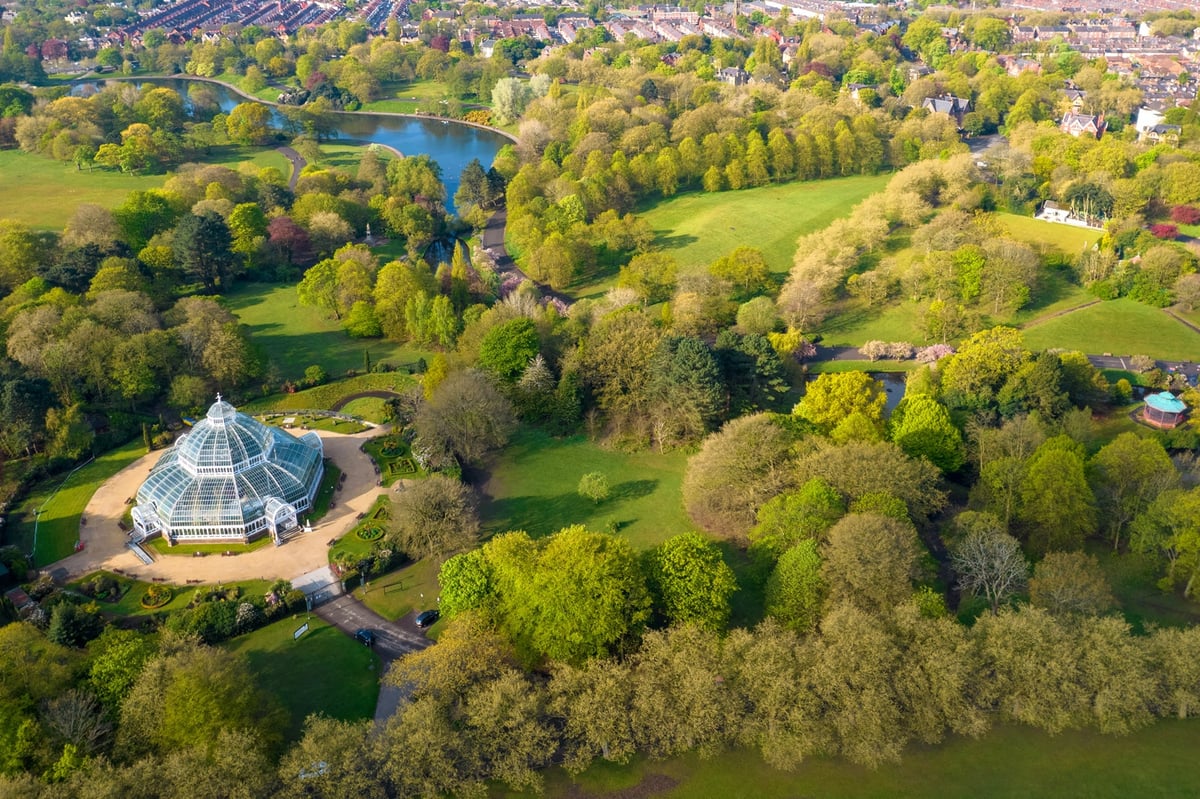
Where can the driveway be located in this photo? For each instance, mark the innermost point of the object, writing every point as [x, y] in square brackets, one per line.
[392, 641]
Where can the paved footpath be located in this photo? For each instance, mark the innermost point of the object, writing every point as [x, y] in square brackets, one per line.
[104, 541]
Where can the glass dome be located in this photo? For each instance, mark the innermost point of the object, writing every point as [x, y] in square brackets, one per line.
[228, 479]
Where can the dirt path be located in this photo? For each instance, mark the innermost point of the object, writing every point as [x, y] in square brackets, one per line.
[1046, 318]
[104, 541]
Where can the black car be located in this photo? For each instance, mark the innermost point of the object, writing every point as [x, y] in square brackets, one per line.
[365, 637]
[427, 618]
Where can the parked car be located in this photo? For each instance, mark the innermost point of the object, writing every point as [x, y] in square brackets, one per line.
[365, 637]
[427, 618]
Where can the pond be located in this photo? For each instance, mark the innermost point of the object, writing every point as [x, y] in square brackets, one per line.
[450, 144]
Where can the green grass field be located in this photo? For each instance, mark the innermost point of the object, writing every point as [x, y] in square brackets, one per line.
[404, 97]
[43, 193]
[699, 227]
[532, 487]
[295, 337]
[325, 671]
[402, 591]
[58, 526]
[1066, 239]
[1006, 763]
[161, 546]
[1122, 327]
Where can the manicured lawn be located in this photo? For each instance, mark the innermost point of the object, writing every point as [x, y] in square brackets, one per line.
[234, 156]
[1121, 327]
[699, 227]
[161, 546]
[331, 424]
[295, 336]
[1064, 238]
[355, 546]
[373, 409]
[58, 527]
[43, 193]
[532, 487]
[857, 325]
[324, 397]
[399, 593]
[325, 671]
[1006, 763]
[130, 602]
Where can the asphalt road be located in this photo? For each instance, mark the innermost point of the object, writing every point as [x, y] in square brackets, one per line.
[392, 640]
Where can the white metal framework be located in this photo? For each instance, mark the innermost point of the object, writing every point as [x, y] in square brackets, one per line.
[232, 478]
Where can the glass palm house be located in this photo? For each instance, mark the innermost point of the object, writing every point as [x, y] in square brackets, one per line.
[232, 478]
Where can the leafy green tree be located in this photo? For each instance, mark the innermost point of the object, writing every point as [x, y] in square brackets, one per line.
[869, 562]
[746, 269]
[465, 582]
[332, 760]
[1170, 529]
[190, 693]
[651, 274]
[1127, 475]
[973, 376]
[791, 518]
[593, 487]
[851, 674]
[1057, 508]
[691, 581]
[248, 123]
[570, 596]
[921, 427]
[508, 348]
[833, 397]
[795, 590]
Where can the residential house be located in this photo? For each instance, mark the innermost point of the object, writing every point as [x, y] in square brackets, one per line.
[1082, 125]
[955, 107]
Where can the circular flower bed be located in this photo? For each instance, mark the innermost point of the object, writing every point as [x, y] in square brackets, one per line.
[391, 447]
[156, 596]
[370, 532]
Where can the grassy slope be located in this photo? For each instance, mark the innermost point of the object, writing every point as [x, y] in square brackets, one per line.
[1122, 327]
[325, 671]
[698, 227]
[1006, 763]
[325, 396]
[532, 487]
[58, 528]
[295, 336]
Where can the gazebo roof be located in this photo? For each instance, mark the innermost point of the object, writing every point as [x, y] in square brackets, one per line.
[1166, 402]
